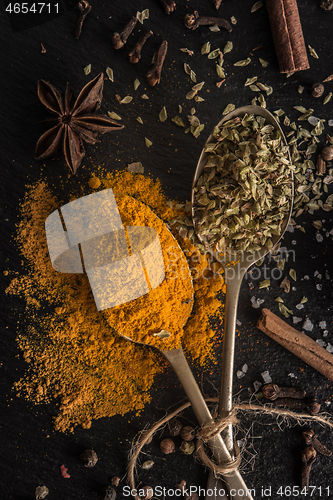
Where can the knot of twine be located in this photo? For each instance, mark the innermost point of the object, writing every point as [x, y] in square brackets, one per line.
[208, 432]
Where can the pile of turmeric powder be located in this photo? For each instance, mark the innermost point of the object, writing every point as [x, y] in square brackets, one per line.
[75, 354]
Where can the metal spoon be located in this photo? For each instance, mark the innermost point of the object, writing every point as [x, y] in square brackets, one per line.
[233, 277]
[179, 363]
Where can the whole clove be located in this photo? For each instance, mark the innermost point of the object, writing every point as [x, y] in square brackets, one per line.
[154, 74]
[169, 6]
[310, 439]
[308, 457]
[317, 89]
[310, 405]
[273, 392]
[321, 165]
[135, 55]
[193, 21]
[119, 39]
[84, 9]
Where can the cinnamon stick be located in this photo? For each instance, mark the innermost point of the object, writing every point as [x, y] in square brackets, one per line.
[287, 35]
[296, 342]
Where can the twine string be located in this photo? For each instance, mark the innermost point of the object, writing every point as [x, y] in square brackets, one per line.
[211, 429]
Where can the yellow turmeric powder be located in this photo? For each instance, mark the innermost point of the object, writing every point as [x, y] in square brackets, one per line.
[74, 352]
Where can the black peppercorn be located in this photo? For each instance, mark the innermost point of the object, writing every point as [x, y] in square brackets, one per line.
[317, 89]
[175, 426]
[167, 446]
[89, 458]
[187, 433]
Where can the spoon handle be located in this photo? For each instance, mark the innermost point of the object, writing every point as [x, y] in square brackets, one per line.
[235, 483]
[233, 279]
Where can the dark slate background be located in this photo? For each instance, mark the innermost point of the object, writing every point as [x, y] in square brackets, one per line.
[31, 451]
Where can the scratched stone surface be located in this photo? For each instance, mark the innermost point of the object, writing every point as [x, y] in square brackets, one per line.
[29, 457]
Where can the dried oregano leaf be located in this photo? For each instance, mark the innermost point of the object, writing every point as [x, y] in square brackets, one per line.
[126, 100]
[228, 47]
[136, 83]
[244, 62]
[178, 121]
[292, 274]
[250, 81]
[263, 63]
[257, 6]
[139, 119]
[191, 94]
[264, 284]
[198, 86]
[187, 68]
[215, 53]
[163, 334]
[228, 109]
[327, 98]
[87, 69]
[109, 73]
[214, 28]
[205, 49]
[279, 112]
[219, 71]
[148, 142]
[197, 98]
[163, 114]
[189, 52]
[193, 76]
[313, 53]
[254, 88]
[300, 89]
[114, 115]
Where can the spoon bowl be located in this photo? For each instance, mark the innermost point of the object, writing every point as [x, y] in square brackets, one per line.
[235, 264]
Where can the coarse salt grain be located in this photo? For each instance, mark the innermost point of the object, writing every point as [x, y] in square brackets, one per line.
[307, 325]
[306, 277]
[256, 303]
[240, 374]
[266, 377]
[325, 333]
[257, 385]
[319, 286]
[329, 348]
[313, 120]
[238, 322]
[245, 368]
[296, 319]
[299, 306]
[292, 375]
[322, 325]
[321, 342]
[319, 237]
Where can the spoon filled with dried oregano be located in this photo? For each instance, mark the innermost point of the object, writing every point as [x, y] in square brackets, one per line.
[242, 199]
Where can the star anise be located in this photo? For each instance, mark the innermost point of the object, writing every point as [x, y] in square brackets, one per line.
[76, 120]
